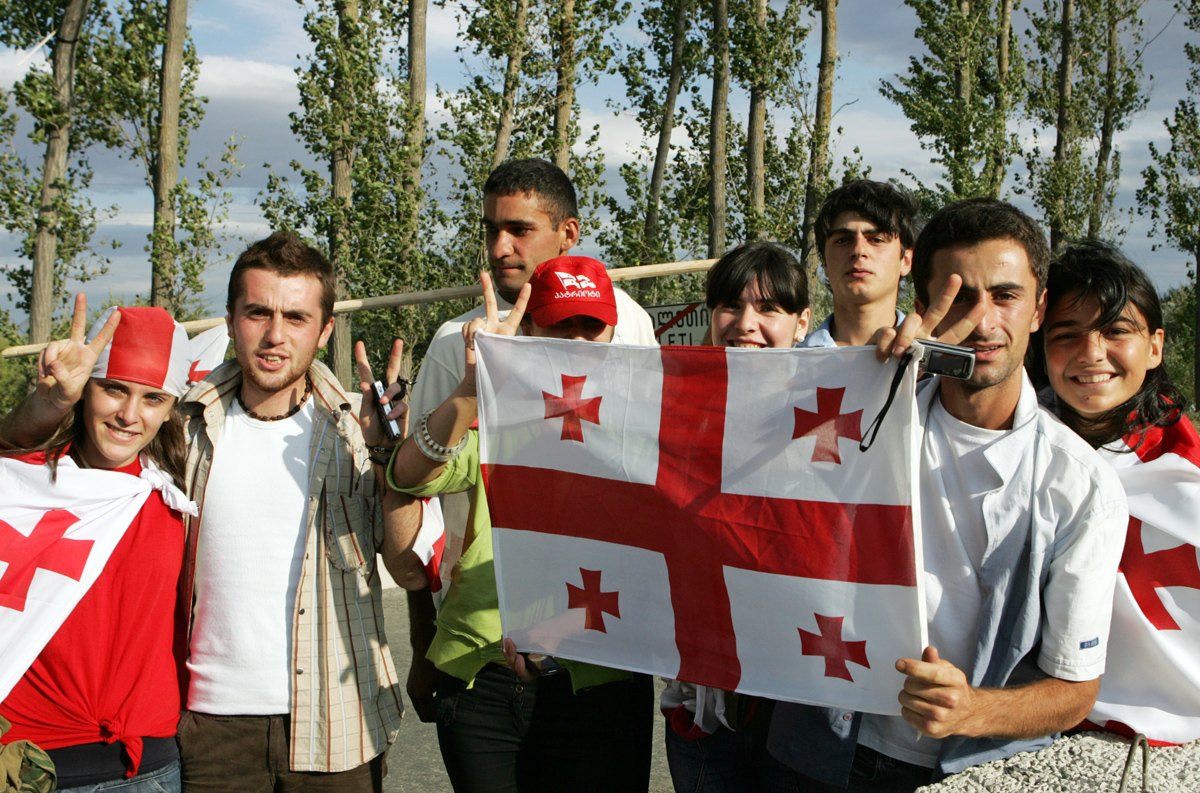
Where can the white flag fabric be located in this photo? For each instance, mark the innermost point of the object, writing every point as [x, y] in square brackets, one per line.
[208, 352]
[55, 539]
[705, 514]
[1151, 682]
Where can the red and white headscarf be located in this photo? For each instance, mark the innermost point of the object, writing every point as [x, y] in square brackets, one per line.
[148, 348]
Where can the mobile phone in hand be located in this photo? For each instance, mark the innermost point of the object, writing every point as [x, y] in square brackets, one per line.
[390, 428]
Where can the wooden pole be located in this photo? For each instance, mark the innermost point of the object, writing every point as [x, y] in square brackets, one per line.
[415, 298]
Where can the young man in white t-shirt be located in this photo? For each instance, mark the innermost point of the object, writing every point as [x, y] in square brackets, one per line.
[1022, 529]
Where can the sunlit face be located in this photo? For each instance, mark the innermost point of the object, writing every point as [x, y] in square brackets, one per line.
[277, 328]
[996, 274]
[864, 264]
[578, 328]
[119, 419]
[520, 235]
[756, 321]
[1097, 369]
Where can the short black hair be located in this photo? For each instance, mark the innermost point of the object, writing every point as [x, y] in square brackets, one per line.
[536, 177]
[285, 254]
[888, 206]
[973, 221]
[778, 272]
[1095, 271]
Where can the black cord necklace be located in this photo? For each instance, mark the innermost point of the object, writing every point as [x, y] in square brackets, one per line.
[295, 409]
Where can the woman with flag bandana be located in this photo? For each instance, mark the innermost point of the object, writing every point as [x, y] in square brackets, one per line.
[716, 740]
[1103, 354]
[102, 696]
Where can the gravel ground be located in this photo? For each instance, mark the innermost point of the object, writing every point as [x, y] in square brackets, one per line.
[1080, 764]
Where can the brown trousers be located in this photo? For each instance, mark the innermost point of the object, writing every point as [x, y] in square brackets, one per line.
[249, 754]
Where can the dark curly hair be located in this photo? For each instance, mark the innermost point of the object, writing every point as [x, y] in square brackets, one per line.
[1099, 272]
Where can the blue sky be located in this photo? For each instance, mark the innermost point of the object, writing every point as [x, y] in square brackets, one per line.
[250, 49]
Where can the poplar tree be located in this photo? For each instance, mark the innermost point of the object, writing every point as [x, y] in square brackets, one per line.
[958, 96]
[1171, 191]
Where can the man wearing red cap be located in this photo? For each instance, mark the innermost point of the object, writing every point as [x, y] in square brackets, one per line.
[561, 725]
[530, 214]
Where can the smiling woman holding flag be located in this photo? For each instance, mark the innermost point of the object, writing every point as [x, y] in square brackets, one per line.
[92, 535]
[1103, 354]
[716, 740]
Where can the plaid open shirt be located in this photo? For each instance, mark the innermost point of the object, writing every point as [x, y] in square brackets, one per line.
[345, 698]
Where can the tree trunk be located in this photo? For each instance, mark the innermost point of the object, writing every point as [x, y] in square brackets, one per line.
[654, 200]
[341, 163]
[998, 165]
[54, 168]
[963, 79]
[756, 214]
[415, 134]
[564, 99]
[1096, 217]
[1063, 141]
[1196, 334]
[818, 158]
[512, 78]
[717, 129]
[166, 160]
[417, 13]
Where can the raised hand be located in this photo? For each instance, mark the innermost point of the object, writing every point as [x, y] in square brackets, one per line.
[65, 365]
[491, 323]
[372, 430]
[895, 342]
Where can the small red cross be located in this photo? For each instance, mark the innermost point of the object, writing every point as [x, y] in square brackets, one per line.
[830, 645]
[44, 549]
[572, 408]
[1145, 571]
[828, 424]
[591, 598]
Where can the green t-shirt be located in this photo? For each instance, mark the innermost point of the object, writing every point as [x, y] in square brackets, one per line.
[468, 623]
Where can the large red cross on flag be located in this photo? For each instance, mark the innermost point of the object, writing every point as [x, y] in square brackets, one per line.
[55, 539]
[711, 519]
[1151, 681]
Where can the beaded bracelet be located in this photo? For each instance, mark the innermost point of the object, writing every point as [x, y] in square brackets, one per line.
[435, 451]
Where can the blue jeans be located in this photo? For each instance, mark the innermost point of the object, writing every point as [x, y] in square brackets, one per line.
[728, 762]
[163, 780]
[877, 773]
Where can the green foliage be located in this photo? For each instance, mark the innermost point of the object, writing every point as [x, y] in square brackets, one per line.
[1179, 354]
[352, 96]
[1064, 188]
[958, 101]
[23, 24]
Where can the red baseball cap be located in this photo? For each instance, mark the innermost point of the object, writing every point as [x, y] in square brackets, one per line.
[567, 286]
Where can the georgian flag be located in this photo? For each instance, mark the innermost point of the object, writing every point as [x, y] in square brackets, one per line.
[1151, 682]
[705, 514]
[208, 352]
[55, 538]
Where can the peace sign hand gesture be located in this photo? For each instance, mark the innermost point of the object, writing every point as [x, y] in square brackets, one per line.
[896, 341]
[491, 323]
[65, 365]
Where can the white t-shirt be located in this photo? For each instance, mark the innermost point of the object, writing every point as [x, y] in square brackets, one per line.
[955, 475]
[248, 563]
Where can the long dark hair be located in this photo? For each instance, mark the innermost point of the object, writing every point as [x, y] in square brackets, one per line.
[168, 447]
[1089, 270]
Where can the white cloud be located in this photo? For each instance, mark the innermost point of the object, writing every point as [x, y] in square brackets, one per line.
[223, 77]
